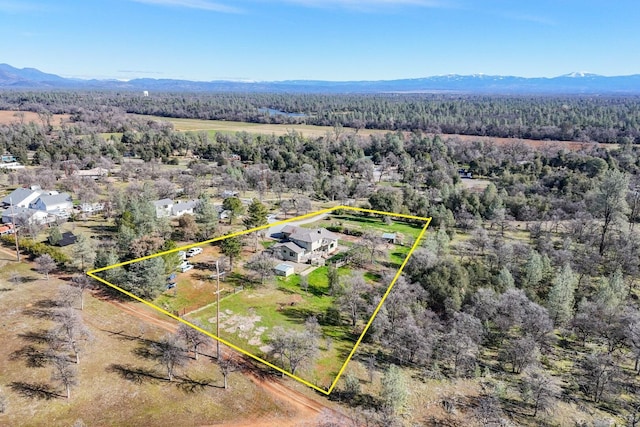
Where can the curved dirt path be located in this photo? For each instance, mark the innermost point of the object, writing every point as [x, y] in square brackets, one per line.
[307, 409]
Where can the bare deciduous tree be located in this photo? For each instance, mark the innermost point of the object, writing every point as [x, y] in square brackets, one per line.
[227, 365]
[192, 337]
[65, 373]
[45, 265]
[539, 389]
[169, 354]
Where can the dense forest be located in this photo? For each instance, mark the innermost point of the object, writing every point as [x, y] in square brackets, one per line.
[527, 285]
[604, 119]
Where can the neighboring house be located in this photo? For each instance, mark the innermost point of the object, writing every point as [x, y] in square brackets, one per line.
[464, 173]
[284, 270]
[94, 173]
[163, 208]
[167, 208]
[228, 193]
[6, 229]
[57, 204]
[91, 207]
[22, 197]
[183, 208]
[302, 244]
[12, 165]
[22, 216]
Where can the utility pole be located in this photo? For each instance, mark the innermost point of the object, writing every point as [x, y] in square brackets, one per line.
[218, 310]
[15, 229]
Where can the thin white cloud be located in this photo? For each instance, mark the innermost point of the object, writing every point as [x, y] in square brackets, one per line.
[192, 4]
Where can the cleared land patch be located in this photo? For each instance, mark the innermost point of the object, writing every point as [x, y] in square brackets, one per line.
[306, 328]
[318, 131]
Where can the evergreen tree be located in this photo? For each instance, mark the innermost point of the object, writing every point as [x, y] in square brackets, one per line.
[206, 217]
[234, 207]
[394, 392]
[505, 280]
[231, 247]
[561, 296]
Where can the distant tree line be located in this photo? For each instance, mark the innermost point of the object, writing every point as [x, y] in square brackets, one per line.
[605, 119]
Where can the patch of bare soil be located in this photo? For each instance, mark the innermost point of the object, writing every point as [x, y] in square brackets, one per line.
[8, 117]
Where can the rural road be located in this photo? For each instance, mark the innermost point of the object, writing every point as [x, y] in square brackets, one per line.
[307, 409]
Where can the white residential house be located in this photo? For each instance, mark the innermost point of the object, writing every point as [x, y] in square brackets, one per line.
[163, 207]
[22, 197]
[183, 208]
[23, 216]
[94, 173]
[91, 207]
[167, 208]
[58, 204]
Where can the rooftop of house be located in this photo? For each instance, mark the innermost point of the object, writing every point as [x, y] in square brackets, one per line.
[162, 202]
[291, 246]
[180, 206]
[55, 199]
[68, 238]
[312, 234]
[19, 195]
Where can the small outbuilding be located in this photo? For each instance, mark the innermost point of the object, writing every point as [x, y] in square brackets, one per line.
[284, 270]
[68, 238]
[390, 238]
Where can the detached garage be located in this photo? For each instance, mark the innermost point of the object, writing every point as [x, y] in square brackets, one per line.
[284, 270]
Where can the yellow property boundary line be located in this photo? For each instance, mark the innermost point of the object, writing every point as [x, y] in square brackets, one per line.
[92, 273]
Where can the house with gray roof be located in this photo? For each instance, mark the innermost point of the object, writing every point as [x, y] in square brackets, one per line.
[57, 204]
[168, 208]
[163, 207]
[302, 244]
[22, 197]
[183, 208]
[23, 216]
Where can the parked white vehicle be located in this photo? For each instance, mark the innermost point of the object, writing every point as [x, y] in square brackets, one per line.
[186, 268]
[194, 251]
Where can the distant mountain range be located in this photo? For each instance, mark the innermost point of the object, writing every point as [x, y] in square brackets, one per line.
[573, 83]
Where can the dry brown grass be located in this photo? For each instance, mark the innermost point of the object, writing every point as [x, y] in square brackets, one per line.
[7, 117]
[104, 396]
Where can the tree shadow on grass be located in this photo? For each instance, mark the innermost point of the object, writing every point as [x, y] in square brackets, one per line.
[37, 390]
[126, 337]
[32, 356]
[140, 375]
[136, 374]
[362, 400]
[38, 337]
[192, 385]
[42, 309]
[299, 314]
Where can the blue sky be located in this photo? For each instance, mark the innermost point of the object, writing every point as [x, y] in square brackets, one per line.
[320, 39]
